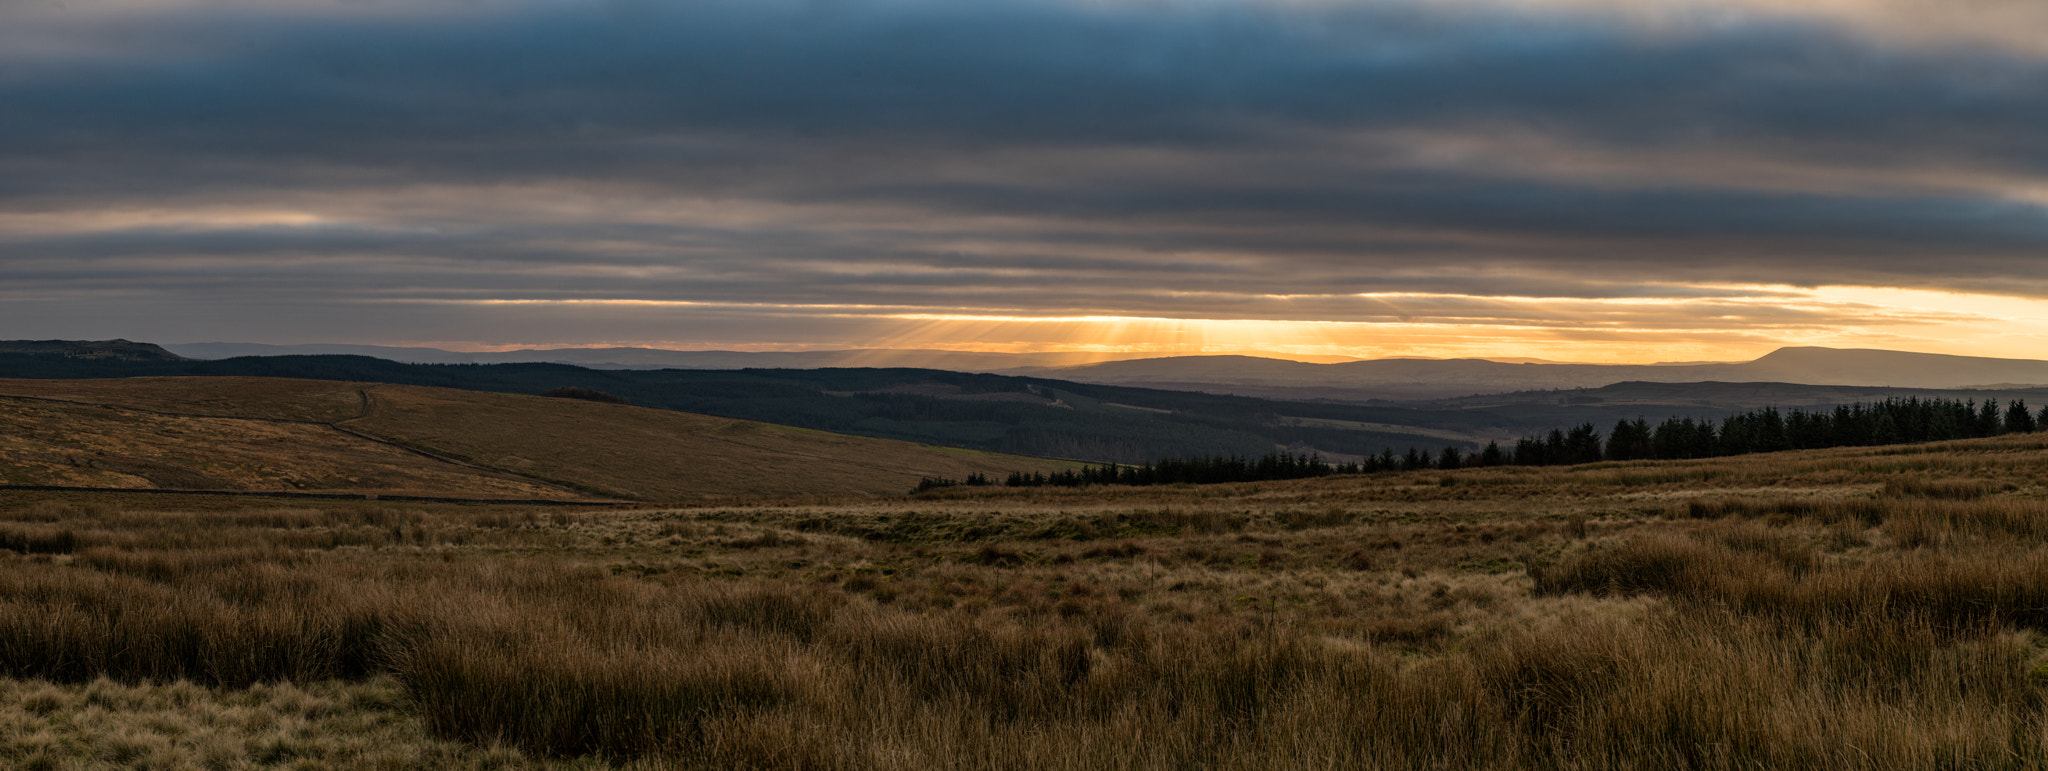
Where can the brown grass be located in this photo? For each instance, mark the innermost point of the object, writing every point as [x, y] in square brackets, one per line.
[1806, 613]
[311, 401]
[662, 455]
[61, 443]
[265, 434]
[180, 725]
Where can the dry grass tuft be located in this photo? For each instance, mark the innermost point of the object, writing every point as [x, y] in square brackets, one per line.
[1867, 609]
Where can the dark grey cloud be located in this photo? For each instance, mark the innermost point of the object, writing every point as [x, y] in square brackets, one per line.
[1159, 158]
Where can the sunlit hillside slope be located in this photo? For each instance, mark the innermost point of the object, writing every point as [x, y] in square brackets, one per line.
[267, 435]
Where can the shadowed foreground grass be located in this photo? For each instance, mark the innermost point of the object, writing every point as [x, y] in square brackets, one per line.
[1841, 609]
[103, 724]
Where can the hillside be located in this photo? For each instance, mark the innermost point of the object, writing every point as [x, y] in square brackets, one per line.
[310, 436]
[1026, 416]
[1425, 379]
[652, 454]
[1891, 368]
[657, 358]
[1652, 397]
[1032, 416]
[118, 350]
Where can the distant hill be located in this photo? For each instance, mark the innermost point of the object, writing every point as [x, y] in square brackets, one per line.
[1425, 379]
[1025, 416]
[1350, 380]
[661, 358]
[279, 435]
[1066, 419]
[657, 358]
[118, 350]
[1899, 369]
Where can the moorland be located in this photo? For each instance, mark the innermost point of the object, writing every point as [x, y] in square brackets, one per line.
[1028, 415]
[1869, 607]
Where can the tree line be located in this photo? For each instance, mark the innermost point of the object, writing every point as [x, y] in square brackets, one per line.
[1199, 470]
[1892, 421]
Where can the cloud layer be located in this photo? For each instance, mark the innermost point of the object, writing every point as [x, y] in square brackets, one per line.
[308, 172]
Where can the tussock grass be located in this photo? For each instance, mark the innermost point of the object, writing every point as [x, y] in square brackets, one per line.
[1831, 611]
[1827, 510]
[38, 539]
[180, 725]
[1950, 489]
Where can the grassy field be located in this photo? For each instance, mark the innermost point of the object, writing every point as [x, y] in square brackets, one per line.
[1874, 608]
[621, 451]
[279, 435]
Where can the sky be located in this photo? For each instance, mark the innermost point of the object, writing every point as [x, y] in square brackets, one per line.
[1574, 180]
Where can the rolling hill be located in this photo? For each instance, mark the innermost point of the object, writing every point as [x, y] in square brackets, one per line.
[1065, 419]
[1428, 379]
[657, 358]
[118, 350]
[1025, 416]
[310, 436]
[1398, 379]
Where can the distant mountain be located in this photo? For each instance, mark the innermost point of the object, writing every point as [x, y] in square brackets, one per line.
[1891, 368]
[1096, 422]
[114, 350]
[1417, 379]
[658, 358]
[1403, 379]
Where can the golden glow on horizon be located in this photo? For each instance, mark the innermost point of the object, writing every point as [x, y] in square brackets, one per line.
[1723, 323]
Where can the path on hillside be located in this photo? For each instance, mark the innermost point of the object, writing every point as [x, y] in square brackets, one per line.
[364, 412]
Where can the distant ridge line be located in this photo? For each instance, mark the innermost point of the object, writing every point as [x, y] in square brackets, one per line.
[118, 349]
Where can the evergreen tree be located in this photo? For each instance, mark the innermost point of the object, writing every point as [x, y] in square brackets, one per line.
[1582, 445]
[1883, 430]
[1768, 431]
[1631, 440]
[1492, 455]
[1988, 423]
[2018, 420]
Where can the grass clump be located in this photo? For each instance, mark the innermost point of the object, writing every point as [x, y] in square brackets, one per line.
[1802, 615]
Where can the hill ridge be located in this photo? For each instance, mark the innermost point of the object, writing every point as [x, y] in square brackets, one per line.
[116, 349]
[1443, 378]
[435, 442]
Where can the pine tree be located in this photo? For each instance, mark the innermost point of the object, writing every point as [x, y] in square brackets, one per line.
[1988, 423]
[1492, 455]
[1583, 444]
[2018, 420]
[1631, 440]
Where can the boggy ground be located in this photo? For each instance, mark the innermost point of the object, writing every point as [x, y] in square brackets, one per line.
[1866, 608]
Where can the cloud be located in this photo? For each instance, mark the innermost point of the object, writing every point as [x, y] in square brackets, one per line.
[1168, 159]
